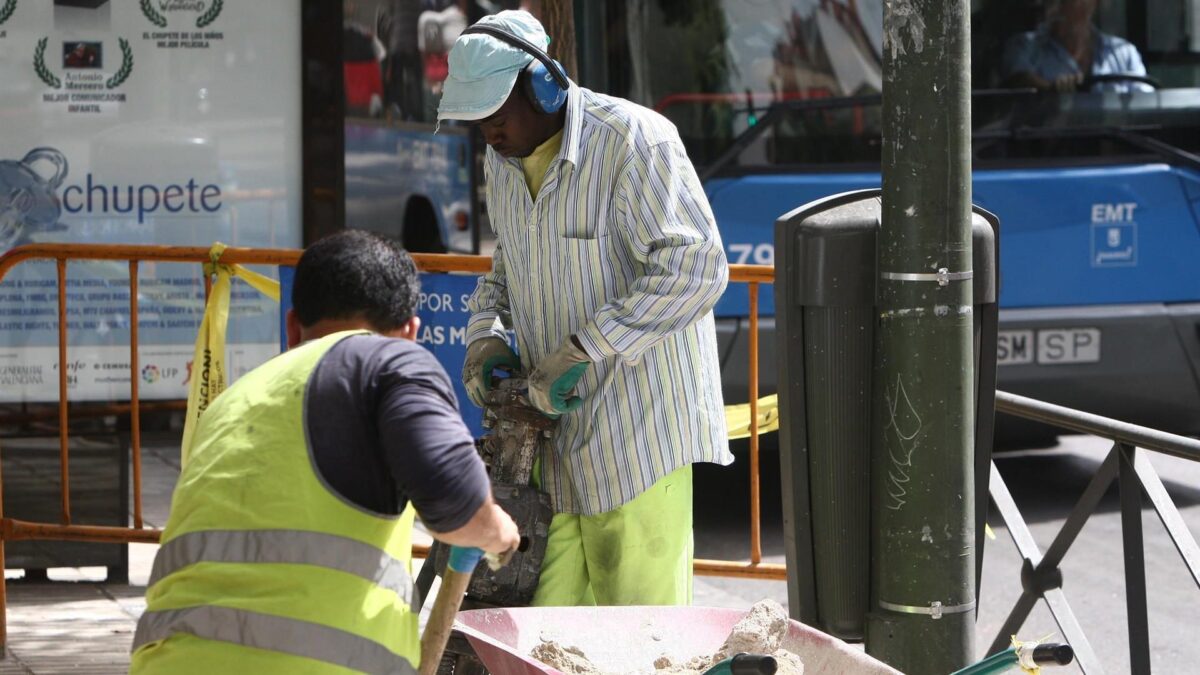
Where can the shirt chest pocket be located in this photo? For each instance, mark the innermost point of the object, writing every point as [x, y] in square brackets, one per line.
[582, 276]
[579, 228]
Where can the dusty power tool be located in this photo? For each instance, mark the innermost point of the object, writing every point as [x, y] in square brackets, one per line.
[515, 431]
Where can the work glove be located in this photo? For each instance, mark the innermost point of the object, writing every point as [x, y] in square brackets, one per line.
[484, 356]
[553, 380]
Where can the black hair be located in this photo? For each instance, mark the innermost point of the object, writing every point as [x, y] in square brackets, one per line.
[356, 274]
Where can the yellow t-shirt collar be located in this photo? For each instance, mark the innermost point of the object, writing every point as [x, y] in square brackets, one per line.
[534, 166]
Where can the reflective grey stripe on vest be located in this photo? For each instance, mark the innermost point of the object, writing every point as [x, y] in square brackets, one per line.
[274, 633]
[286, 546]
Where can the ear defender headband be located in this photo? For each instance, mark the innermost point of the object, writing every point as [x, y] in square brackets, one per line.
[544, 82]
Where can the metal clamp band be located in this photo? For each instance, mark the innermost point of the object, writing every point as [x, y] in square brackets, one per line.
[943, 276]
[935, 608]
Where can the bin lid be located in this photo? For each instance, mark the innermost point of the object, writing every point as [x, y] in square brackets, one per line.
[826, 248]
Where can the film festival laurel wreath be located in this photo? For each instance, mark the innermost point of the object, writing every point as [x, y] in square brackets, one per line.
[7, 10]
[207, 17]
[53, 81]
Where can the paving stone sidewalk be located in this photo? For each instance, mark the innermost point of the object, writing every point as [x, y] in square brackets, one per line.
[76, 622]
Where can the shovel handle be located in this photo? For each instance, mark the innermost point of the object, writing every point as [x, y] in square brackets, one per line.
[455, 580]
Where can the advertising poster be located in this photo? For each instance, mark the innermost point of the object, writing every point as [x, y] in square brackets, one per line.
[168, 122]
[444, 317]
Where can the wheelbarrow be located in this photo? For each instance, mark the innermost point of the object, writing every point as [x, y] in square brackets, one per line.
[629, 639]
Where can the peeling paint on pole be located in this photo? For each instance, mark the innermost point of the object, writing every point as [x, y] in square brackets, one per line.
[905, 21]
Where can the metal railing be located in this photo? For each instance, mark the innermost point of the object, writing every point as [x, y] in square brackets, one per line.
[1127, 463]
[15, 530]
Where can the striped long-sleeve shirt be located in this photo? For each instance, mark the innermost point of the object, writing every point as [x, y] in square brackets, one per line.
[620, 248]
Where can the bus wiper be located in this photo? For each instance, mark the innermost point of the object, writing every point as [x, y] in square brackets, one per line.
[776, 109]
[773, 115]
[1171, 153]
[1135, 135]
[1033, 133]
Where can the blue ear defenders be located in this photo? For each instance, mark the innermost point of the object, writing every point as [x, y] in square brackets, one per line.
[544, 82]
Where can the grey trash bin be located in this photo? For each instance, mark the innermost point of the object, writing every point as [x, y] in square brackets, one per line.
[825, 272]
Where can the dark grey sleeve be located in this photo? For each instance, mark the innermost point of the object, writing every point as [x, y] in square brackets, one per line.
[426, 446]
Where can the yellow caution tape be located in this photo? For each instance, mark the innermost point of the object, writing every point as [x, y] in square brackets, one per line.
[737, 417]
[208, 359]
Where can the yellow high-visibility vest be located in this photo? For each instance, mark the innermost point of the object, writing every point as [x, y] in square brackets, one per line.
[262, 568]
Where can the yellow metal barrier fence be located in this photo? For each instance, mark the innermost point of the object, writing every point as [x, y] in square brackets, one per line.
[15, 530]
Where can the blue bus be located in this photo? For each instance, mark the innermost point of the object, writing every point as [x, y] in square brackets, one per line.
[1096, 181]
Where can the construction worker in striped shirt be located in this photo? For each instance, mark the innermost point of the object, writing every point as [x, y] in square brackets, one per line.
[288, 545]
[607, 266]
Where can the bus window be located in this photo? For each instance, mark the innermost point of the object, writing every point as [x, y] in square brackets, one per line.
[1096, 180]
[717, 67]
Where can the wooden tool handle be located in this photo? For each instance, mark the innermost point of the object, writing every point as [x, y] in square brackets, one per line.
[441, 618]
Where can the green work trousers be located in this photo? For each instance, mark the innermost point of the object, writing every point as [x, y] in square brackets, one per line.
[637, 554]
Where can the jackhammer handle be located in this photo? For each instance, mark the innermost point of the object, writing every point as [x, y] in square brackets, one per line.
[455, 580]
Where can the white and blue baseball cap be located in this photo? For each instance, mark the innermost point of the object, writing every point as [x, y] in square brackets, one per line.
[483, 68]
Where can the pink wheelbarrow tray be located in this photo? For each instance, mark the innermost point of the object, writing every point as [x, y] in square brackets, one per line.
[629, 639]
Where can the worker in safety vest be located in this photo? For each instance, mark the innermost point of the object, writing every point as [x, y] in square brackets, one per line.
[288, 546]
